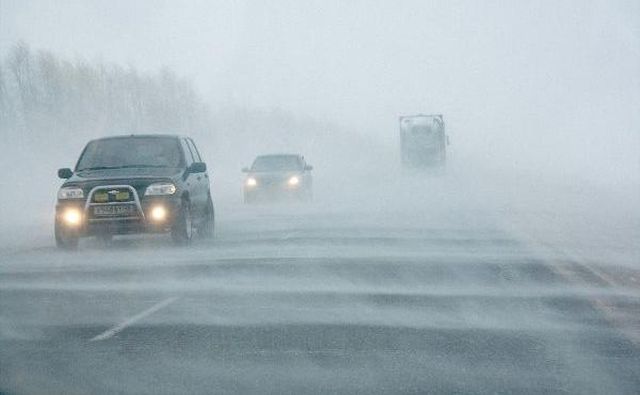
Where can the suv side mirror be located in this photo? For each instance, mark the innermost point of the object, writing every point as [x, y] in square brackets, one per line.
[245, 170]
[65, 173]
[308, 167]
[198, 167]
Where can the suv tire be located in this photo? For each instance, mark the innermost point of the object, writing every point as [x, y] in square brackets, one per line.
[182, 230]
[206, 229]
[64, 239]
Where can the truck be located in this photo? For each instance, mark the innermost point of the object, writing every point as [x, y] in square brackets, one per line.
[423, 141]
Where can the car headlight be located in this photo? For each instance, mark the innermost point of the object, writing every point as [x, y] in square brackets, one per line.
[251, 182]
[70, 193]
[293, 181]
[160, 188]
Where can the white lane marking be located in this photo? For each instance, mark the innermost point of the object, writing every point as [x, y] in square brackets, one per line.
[108, 333]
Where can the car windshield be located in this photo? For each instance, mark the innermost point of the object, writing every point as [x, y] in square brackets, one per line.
[276, 163]
[130, 152]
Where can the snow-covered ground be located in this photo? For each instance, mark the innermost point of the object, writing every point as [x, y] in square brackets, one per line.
[407, 284]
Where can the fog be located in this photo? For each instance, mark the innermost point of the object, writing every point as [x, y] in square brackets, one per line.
[542, 92]
[536, 211]
[542, 87]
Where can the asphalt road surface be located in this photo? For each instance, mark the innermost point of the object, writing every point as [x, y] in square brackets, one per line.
[320, 300]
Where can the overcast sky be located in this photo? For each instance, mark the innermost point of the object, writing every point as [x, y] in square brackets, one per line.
[556, 79]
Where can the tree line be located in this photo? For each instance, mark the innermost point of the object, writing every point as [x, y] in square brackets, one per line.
[45, 100]
[50, 106]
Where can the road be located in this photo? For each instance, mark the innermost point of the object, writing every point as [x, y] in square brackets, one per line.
[320, 300]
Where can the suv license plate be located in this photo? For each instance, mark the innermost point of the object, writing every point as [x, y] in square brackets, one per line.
[124, 210]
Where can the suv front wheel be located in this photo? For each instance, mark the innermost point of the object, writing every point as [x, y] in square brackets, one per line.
[207, 228]
[182, 230]
[65, 238]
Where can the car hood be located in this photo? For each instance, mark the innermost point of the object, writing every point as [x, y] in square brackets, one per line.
[140, 179]
[273, 174]
[146, 172]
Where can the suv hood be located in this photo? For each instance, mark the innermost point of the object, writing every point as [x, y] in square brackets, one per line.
[128, 173]
[144, 172]
[140, 179]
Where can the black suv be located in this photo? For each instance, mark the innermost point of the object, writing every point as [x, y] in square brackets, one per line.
[135, 184]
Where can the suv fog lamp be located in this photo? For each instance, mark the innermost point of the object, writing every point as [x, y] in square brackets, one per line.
[72, 217]
[158, 213]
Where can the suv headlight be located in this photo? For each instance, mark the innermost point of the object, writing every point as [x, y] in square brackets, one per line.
[160, 188]
[70, 193]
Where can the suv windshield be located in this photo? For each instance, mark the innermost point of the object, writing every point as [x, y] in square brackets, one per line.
[276, 163]
[130, 152]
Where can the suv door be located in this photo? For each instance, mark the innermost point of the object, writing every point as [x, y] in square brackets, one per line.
[190, 179]
[200, 183]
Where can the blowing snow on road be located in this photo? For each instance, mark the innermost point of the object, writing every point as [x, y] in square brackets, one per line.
[319, 197]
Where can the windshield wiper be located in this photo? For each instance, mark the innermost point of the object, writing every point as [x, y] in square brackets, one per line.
[120, 167]
[139, 166]
[100, 168]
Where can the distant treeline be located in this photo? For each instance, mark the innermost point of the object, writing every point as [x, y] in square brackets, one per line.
[51, 106]
[45, 99]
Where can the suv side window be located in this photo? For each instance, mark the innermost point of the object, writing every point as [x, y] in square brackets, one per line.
[188, 156]
[194, 150]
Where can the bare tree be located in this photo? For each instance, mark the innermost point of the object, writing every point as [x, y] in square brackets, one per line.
[55, 99]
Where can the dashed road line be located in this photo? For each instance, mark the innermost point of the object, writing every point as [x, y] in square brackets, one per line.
[130, 321]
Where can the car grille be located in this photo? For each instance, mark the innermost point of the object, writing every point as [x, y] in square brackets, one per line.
[113, 202]
[112, 195]
[272, 182]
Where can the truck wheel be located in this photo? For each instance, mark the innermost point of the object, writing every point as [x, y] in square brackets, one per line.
[207, 228]
[65, 239]
[182, 230]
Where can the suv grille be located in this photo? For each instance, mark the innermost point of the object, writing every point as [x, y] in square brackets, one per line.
[113, 202]
[112, 195]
